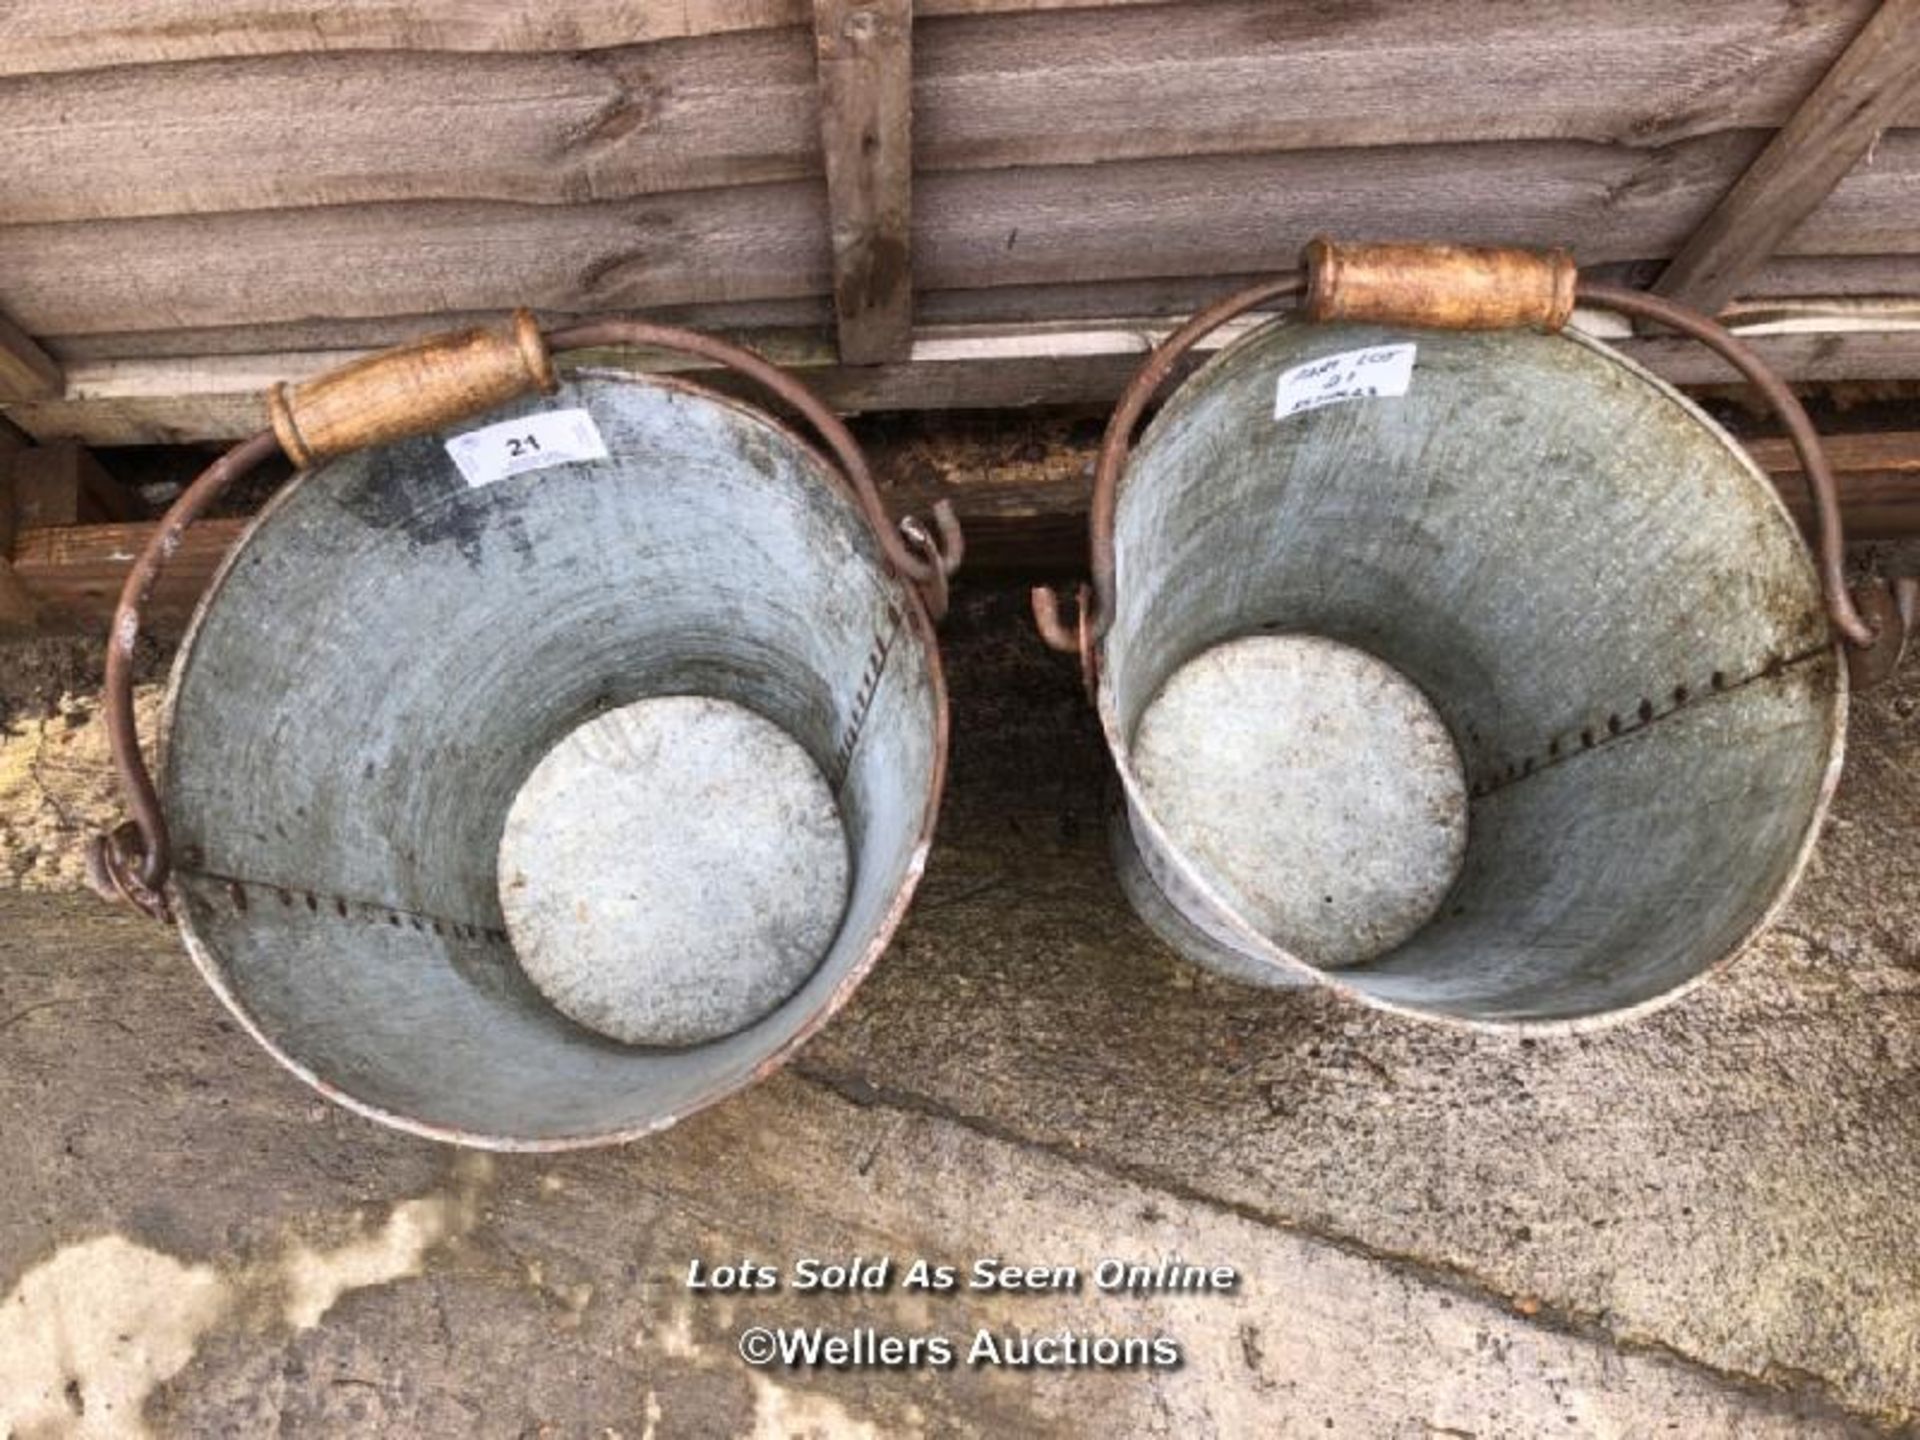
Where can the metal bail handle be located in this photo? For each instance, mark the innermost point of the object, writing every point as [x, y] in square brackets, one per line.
[1458, 287]
[416, 389]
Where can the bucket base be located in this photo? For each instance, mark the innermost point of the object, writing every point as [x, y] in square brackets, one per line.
[1312, 786]
[1178, 928]
[673, 870]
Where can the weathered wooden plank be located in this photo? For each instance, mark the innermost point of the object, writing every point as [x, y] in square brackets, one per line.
[1835, 279]
[47, 488]
[218, 398]
[1229, 77]
[1859, 355]
[811, 314]
[19, 612]
[17, 609]
[1874, 83]
[27, 372]
[865, 51]
[61, 483]
[1823, 277]
[1878, 477]
[291, 131]
[755, 242]
[1064, 87]
[9, 501]
[1874, 211]
[1040, 527]
[1062, 225]
[131, 402]
[73, 576]
[1837, 275]
[38, 36]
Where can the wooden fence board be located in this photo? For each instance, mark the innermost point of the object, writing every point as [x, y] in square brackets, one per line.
[38, 36]
[73, 576]
[1874, 211]
[297, 131]
[756, 242]
[199, 178]
[1056, 88]
[1062, 225]
[1238, 76]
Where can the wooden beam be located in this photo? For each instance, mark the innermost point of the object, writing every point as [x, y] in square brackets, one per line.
[1032, 525]
[61, 483]
[10, 444]
[1869, 88]
[74, 575]
[218, 397]
[18, 612]
[865, 53]
[1878, 474]
[1837, 285]
[26, 371]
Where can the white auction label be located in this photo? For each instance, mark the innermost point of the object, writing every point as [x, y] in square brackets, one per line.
[533, 442]
[1350, 375]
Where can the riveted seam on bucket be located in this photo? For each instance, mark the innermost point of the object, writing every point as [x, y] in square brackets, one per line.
[910, 880]
[330, 906]
[1644, 717]
[856, 726]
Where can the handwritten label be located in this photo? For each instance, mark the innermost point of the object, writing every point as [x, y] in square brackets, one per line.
[1350, 375]
[533, 442]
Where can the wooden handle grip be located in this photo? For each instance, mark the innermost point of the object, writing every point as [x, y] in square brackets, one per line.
[1443, 287]
[412, 390]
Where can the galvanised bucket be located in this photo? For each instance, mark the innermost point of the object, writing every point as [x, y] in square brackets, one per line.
[1473, 671]
[537, 807]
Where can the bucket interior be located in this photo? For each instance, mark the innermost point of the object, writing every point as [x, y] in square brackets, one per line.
[389, 656]
[1604, 601]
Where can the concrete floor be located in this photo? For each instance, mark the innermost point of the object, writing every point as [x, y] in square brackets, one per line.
[1701, 1224]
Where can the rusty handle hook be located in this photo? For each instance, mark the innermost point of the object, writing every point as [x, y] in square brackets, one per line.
[366, 403]
[132, 861]
[1114, 445]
